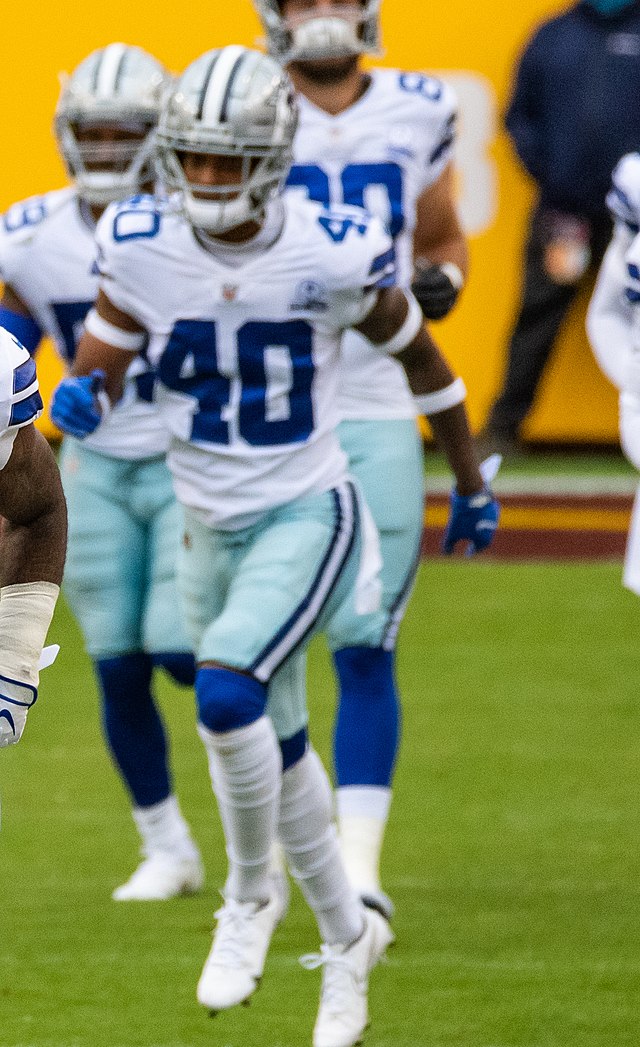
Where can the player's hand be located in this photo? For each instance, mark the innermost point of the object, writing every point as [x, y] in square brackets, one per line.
[15, 701]
[77, 406]
[472, 518]
[436, 288]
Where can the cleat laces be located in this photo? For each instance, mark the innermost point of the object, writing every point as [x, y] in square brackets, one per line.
[339, 979]
[234, 935]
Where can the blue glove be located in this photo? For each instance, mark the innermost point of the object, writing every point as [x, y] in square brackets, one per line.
[75, 408]
[472, 517]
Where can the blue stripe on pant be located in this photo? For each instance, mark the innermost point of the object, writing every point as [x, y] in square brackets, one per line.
[253, 597]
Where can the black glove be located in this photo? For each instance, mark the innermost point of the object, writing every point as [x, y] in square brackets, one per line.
[436, 288]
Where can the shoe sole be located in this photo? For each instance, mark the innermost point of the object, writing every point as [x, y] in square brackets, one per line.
[241, 1003]
[184, 892]
[190, 887]
[356, 1043]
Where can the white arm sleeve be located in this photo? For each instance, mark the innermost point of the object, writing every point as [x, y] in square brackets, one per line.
[610, 314]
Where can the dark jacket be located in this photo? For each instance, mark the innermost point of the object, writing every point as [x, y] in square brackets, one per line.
[576, 105]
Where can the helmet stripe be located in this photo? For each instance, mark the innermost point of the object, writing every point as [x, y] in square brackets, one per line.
[96, 71]
[215, 94]
[224, 115]
[112, 56]
[205, 85]
[120, 70]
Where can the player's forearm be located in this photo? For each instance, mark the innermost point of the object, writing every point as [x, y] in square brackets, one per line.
[35, 551]
[33, 538]
[94, 355]
[439, 238]
[111, 341]
[426, 368]
[432, 381]
[451, 248]
[453, 436]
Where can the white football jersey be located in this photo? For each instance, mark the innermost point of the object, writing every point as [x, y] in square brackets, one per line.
[623, 199]
[20, 401]
[246, 344]
[381, 154]
[48, 256]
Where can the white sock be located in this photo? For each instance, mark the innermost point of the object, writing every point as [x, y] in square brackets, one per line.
[363, 812]
[163, 828]
[309, 840]
[246, 774]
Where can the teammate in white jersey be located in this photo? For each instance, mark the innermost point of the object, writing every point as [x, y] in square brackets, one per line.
[613, 326]
[123, 516]
[383, 140]
[33, 537]
[243, 297]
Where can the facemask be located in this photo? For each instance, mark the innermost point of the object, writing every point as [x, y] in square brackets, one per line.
[609, 7]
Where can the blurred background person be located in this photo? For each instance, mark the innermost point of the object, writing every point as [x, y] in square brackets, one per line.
[33, 537]
[612, 326]
[381, 139]
[573, 114]
[123, 516]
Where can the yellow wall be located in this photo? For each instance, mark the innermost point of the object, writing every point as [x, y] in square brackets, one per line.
[474, 44]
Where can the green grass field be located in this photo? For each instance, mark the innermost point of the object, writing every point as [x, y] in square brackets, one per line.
[513, 854]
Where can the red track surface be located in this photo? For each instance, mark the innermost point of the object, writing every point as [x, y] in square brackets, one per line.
[547, 527]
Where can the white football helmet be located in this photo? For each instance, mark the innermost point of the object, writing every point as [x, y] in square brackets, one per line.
[230, 102]
[352, 30]
[120, 87]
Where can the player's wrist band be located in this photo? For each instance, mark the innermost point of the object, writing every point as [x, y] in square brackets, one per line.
[413, 323]
[450, 270]
[130, 341]
[26, 611]
[442, 399]
[454, 273]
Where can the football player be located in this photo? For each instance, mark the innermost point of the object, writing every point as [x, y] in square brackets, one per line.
[612, 326]
[380, 139]
[123, 517]
[33, 537]
[241, 298]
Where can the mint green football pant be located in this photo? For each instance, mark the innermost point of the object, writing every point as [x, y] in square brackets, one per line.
[386, 459]
[253, 598]
[120, 575]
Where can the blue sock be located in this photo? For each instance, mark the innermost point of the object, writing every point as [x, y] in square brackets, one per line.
[367, 728]
[180, 665]
[228, 700]
[294, 748]
[133, 727]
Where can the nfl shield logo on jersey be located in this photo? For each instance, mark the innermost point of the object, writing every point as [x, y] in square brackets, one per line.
[230, 292]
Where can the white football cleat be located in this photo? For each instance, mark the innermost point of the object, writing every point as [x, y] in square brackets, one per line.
[343, 1015]
[162, 876]
[235, 963]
